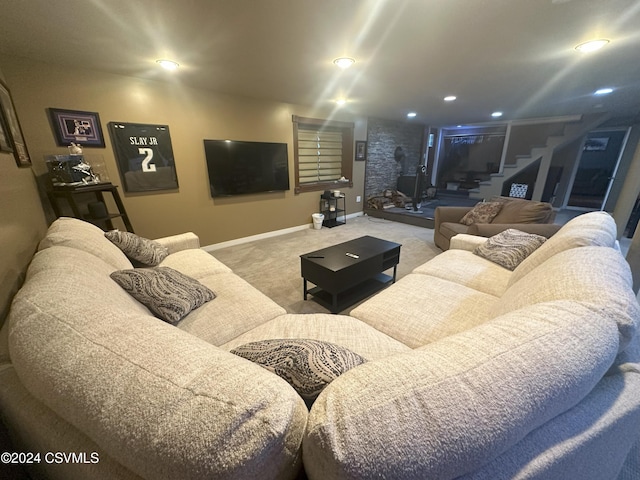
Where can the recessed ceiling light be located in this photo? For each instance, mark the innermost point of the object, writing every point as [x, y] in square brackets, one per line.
[168, 64]
[341, 101]
[411, 114]
[450, 98]
[592, 45]
[344, 62]
[603, 91]
[496, 114]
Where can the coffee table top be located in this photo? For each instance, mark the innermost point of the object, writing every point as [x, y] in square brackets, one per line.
[335, 257]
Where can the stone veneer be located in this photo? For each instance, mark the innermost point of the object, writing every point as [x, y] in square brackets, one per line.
[383, 136]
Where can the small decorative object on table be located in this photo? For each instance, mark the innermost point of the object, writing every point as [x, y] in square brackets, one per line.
[75, 149]
[70, 170]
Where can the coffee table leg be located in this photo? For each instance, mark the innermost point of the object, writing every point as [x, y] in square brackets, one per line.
[304, 288]
[395, 268]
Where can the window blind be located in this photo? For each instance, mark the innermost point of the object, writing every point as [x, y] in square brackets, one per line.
[319, 155]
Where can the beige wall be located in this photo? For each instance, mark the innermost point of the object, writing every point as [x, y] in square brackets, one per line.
[192, 115]
[22, 224]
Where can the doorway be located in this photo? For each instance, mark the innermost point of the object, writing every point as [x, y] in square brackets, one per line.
[597, 168]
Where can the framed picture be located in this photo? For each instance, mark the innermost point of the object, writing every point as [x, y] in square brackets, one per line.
[77, 127]
[13, 138]
[5, 142]
[144, 155]
[361, 151]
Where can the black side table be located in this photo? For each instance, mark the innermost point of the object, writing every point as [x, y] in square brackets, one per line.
[330, 208]
[69, 193]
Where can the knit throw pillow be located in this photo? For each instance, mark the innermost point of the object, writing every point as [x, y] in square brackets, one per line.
[308, 365]
[169, 294]
[142, 250]
[482, 212]
[509, 248]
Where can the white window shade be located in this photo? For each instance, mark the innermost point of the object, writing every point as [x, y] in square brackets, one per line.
[319, 155]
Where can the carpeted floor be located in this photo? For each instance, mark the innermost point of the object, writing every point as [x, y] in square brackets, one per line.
[273, 265]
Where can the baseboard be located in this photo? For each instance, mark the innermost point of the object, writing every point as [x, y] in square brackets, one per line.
[262, 236]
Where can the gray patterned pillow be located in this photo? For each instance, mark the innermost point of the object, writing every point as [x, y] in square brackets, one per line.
[308, 365]
[146, 252]
[509, 248]
[482, 212]
[169, 294]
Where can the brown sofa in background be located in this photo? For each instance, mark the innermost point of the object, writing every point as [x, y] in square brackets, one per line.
[525, 215]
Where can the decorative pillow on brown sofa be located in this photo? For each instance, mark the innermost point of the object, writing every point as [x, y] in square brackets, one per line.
[307, 365]
[509, 248]
[482, 212]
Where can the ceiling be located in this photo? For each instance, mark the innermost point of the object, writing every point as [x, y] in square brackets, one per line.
[515, 56]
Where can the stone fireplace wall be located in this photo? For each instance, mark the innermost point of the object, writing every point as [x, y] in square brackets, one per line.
[383, 136]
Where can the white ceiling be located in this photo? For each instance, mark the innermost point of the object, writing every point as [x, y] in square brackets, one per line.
[516, 56]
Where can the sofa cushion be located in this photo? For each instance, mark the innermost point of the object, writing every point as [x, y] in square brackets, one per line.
[181, 404]
[465, 268]
[307, 365]
[238, 308]
[455, 404]
[45, 431]
[597, 277]
[196, 263]
[81, 235]
[169, 294]
[518, 210]
[420, 309]
[482, 212]
[342, 330]
[509, 248]
[593, 228]
[573, 444]
[139, 249]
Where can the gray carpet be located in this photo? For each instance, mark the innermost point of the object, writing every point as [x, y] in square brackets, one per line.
[272, 265]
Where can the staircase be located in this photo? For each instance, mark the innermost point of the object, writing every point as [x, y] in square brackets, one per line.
[572, 131]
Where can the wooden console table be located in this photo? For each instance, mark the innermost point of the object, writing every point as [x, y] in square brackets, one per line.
[98, 189]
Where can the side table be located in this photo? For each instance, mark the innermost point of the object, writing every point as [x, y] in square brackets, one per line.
[69, 192]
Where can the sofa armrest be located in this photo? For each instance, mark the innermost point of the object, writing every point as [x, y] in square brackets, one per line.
[182, 241]
[463, 241]
[450, 214]
[491, 229]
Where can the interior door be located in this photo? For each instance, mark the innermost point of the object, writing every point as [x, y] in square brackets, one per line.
[597, 168]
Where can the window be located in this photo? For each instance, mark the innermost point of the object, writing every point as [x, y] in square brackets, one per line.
[323, 153]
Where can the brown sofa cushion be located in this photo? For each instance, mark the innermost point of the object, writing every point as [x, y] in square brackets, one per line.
[517, 210]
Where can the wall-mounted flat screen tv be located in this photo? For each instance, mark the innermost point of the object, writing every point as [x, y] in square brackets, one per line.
[239, 168]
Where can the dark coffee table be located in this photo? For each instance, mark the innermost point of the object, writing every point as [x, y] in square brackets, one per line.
[348, 272]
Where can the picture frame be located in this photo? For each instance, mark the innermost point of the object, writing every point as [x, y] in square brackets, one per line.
[13, 137]
[361, 151]
[144, 156]
[5, 141]
[76, 126]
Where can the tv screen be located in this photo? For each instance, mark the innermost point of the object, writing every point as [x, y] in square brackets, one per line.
[238, 168]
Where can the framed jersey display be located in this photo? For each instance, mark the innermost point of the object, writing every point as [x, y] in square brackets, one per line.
[144, 156]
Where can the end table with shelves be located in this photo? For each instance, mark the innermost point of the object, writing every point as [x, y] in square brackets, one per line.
[330, 208]
[70, 192]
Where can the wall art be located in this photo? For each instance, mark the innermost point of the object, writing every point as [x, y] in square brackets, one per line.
[361, 151]
[144, 155]
[12, 130]
[76, 126]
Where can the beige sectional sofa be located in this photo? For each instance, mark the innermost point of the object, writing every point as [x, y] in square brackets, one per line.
[473, 371]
